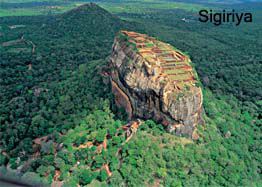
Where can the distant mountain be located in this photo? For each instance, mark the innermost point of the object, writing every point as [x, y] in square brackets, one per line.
[88, 24]
[88, 29]
[92, 18]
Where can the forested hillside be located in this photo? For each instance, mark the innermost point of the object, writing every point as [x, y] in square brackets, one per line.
[53, 86]
[29, 102]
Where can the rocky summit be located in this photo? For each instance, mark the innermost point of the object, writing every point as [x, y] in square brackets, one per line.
[153, 80]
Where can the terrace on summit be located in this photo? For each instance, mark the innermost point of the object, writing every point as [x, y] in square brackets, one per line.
[162, 58]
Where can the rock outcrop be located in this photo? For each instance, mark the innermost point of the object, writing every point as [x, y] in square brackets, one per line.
[153, 80]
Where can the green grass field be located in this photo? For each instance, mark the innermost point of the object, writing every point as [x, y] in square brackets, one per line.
[22, 1]
[148, 6]
[139, 6]
[38, 10]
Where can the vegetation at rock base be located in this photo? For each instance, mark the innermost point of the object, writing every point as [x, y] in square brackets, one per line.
[154, 155]
[64, 98]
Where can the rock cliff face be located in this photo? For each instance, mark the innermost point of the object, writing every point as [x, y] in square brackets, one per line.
[153, 80]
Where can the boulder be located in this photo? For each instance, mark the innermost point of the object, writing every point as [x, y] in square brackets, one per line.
[152, 80]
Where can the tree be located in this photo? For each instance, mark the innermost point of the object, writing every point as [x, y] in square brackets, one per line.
[116, 179]
[3, 159]
[71, 181]
[102, 175]
[101, 135]
[98, 161]
[38, 127]
[85, 176]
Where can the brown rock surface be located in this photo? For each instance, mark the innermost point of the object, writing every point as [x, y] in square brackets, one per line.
[153, 80]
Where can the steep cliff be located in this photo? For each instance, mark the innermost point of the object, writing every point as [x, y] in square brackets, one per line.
[153, 80]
